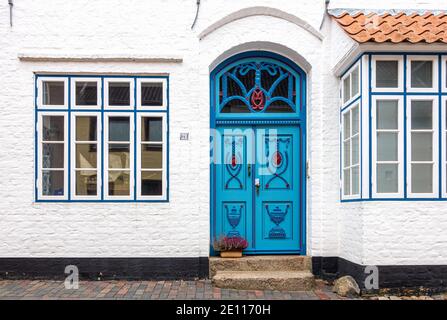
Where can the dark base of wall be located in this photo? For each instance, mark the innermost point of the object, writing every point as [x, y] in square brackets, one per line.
[408, 278]
[106, 268]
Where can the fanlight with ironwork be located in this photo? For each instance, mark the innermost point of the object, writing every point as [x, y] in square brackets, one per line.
[258, 86]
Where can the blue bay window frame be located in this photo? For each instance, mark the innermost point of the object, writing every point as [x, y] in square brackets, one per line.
[404, 93]
[68, 110]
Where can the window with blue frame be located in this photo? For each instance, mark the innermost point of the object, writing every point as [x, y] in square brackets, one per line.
[406, 116]
[350, 133]
[101, 138]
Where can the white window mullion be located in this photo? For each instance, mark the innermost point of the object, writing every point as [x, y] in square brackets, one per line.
[83, 87]
[375, 78]
[382, 169]
[349, 180]
[414, 64]
[44, 174]
[443, 116]
[50, 94]
[155, 171]
[77, 116]
[119, 170]
[418, 163]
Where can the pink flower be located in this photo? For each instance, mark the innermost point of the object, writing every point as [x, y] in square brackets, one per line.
[226, 243]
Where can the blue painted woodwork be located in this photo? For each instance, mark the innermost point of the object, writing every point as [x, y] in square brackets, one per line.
[268, 87]
[261, 136]
[268, 216]
[101, 110]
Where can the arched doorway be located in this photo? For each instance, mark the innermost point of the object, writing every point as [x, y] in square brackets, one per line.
[258, 168]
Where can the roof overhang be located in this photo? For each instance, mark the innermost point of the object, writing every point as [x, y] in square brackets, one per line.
[360, 48]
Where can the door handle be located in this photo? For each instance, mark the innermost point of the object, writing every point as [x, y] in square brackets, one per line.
[249, 169]
[257, 186]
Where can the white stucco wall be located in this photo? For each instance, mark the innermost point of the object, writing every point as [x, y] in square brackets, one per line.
[360, 232]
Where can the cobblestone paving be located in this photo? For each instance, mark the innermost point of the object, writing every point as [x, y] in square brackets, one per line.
[200, 289]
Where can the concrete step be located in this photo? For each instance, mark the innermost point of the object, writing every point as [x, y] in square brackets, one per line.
[261, 263]
[265, 280]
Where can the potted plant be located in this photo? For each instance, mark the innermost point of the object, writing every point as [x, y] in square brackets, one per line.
[230, 246]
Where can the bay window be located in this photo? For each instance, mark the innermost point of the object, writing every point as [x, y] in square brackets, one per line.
[403, 117]
[101, 144]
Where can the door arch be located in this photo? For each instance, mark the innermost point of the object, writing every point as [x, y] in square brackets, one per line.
[258, 122]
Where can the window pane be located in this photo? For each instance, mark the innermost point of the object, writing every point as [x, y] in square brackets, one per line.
[86, 128]
[86, 155]
[387, 74]
[355, 150]
[421, 146]
[86, 93]
[53, 93]
[421, 114]
[387, 146]
[346, 181]
[86, 182]
[151, 183]
[151, 156]
[421, 74]
[119, 93]
[346, 125]
[387, 114]
[53, 128]
[347, 153]
[119, 128]
[52, 183]
[151, 129]
[151, 94]
[346, 89]
[119, 155]
[119, 183]
[422, 178]
[355, 82]
[387, 178]
[52, 155]
[355, 120]
[355, 180]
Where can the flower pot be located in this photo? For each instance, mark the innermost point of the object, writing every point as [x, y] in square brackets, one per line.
[231, 254]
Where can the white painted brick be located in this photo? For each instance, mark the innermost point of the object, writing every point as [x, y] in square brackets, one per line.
[370, 233]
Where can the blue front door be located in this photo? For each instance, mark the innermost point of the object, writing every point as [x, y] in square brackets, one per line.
[258, 186]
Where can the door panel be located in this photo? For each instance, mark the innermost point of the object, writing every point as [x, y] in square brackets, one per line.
[277, 199]
[257, 185]
[234, 192]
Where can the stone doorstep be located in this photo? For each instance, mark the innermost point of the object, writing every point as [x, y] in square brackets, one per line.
[265, 280]
[261, 263]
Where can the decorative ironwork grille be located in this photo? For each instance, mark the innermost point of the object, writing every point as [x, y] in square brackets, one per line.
[256, 87]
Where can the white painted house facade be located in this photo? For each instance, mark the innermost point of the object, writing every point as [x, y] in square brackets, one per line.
[107, 108]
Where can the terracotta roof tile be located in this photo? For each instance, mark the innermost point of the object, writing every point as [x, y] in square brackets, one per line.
[401, 27]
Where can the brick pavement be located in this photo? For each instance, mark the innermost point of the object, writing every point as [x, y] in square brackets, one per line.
[200, 289]
[166, 290]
